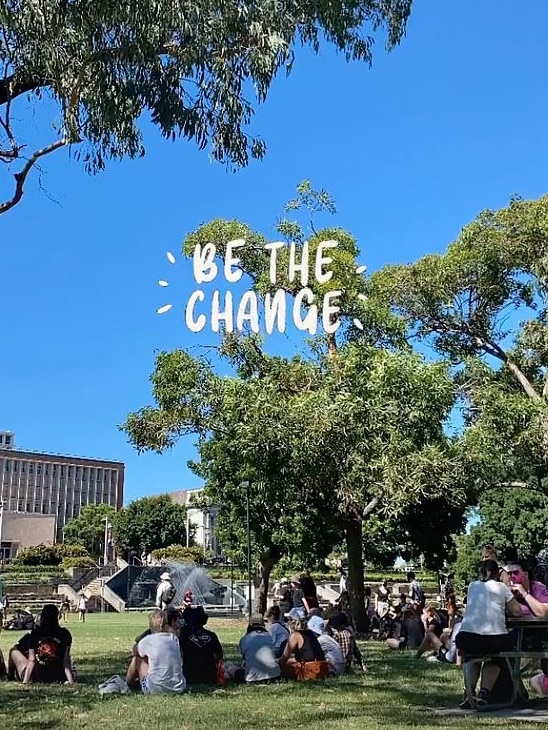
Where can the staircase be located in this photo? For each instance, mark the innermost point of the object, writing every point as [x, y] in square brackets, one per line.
[98, 590]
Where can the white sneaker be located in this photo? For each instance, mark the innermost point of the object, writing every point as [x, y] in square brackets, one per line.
[115, 685]
[433, 659]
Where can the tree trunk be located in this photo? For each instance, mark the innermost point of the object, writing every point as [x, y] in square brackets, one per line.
[354, 547]
[264, 569]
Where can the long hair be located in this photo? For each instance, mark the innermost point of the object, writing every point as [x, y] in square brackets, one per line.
[49, 617]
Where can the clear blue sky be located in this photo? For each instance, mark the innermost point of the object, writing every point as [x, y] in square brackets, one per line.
[453, 121]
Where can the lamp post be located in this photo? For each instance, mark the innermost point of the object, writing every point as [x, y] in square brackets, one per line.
[108, 527]
[246, 485]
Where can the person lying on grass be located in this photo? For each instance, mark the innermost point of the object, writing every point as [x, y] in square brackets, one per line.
[44, 654]
[160, 667]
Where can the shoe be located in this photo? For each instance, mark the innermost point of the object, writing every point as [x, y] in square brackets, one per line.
[433, 659]
[465, 705]
[483, 698]
[115, 685]
[539, 683]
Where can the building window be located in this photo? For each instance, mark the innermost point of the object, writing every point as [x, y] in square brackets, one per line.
[31, 468]
[62, 470]
[47, 469]
[39, 469]
[14, 467]
[7, 440]
[7, 465]
[71, 471]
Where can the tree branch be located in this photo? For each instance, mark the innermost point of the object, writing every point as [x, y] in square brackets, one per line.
[20, 177]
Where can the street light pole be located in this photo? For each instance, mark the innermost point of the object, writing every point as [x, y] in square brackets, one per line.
[105, 551]
[248, 551]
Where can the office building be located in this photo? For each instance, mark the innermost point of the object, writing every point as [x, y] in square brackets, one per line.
[52, 484]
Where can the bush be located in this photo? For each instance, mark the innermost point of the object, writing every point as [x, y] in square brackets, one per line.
[178, 552]
[72, 550]
[38, 555]
[84, 561]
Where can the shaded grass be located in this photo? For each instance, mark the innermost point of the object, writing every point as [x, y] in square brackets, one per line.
[397, 692]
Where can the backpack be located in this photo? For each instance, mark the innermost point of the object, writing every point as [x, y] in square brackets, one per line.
[169, 593]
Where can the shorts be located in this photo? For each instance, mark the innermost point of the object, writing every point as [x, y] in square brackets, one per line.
[474, 645]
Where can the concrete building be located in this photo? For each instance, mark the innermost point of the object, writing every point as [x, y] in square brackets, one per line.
[22, 530]
[200, 523]
[51, 484]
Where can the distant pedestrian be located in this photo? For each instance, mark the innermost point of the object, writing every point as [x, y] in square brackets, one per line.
[166, 591]
[65, 609]
[82, 608]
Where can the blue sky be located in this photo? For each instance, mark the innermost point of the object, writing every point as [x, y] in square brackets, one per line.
[451, 122]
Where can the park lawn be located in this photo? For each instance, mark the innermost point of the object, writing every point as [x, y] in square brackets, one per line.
[396, 692]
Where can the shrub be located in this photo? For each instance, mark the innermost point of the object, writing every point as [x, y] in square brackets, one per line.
[178, 552]
[83, 561]
[38, 555]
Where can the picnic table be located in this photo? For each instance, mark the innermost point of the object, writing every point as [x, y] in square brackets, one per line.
[513, 658]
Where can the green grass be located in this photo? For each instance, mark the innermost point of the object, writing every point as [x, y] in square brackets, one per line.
[396, 692]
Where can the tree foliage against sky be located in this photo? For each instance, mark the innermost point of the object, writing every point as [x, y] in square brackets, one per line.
[483, 304]
[148, 524]
[196, 68]
[88, 529]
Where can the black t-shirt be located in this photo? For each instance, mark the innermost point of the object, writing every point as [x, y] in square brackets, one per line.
[49, 648]
[412, 630]
[201, 651]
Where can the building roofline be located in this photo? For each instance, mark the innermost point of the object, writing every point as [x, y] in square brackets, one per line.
[22, 452]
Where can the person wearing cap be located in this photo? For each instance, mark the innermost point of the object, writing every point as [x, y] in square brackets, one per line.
[303, 657]
[331, 648]
[166, 592]
[258, 652]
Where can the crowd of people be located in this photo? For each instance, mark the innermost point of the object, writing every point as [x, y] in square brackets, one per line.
[300, 641]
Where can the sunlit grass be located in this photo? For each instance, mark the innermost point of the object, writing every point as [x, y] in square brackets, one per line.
[396, 692]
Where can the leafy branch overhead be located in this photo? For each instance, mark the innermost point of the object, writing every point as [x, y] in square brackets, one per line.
[195, 68]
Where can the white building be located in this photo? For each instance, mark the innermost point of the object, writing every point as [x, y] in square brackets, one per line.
[200, 522]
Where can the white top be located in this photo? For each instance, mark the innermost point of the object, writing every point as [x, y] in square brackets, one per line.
[257, 650]
[486, 608]
[342, 583]
[165, 666]
[82, 603]
[162, 586]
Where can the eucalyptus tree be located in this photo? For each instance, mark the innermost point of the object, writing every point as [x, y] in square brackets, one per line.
[354, 429]
[483, 305]
[87, 73]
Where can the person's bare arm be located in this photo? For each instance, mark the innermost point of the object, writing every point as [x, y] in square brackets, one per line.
[305, 604]
[67, 666]
[536, 607]
[513, 608]
[292, 644]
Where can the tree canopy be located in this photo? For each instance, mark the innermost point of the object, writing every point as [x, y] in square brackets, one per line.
[91, 71]
[325, 440]
[150, 523]
[88, 529]
[483, 304]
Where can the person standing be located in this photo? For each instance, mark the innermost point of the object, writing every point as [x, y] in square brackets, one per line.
[166, 592]
[416, 594]
[300, 605]
[343, 581]
[82, 608]
[65, 609]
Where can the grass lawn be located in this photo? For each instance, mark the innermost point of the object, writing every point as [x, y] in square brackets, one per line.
[396, 692]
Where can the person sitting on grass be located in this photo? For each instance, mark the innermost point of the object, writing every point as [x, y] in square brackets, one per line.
[172, 621]
[277, 630]
[202, 651]
[331, 648]
[483, 630]
[303, 657]
[160, 669]
[44, 654]
[258, 654]
[339, 628]
[444, 645]
[411, 629]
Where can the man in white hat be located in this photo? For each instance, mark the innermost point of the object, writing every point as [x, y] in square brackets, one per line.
[166, 591]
